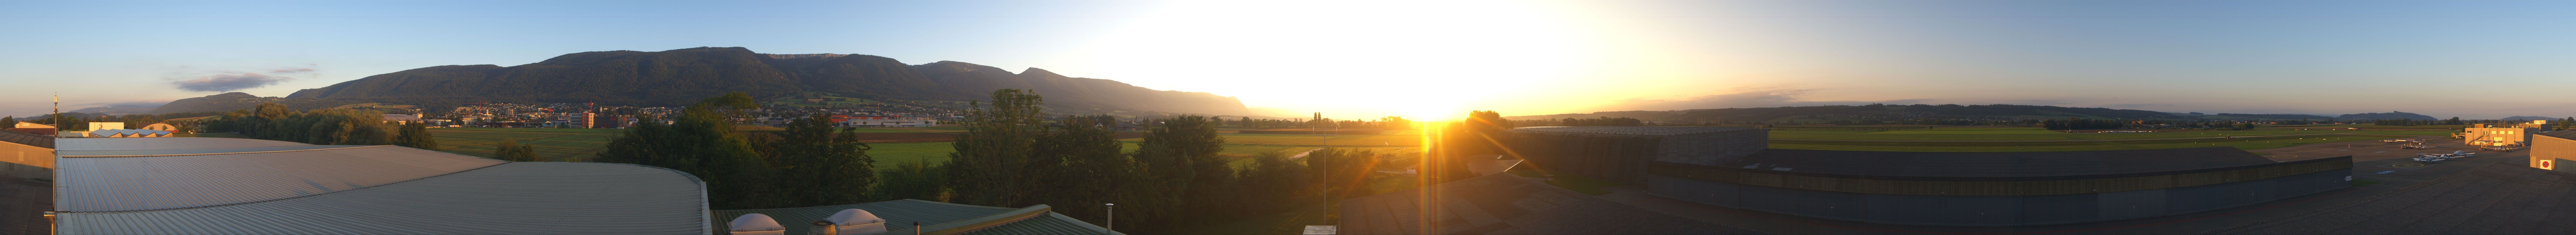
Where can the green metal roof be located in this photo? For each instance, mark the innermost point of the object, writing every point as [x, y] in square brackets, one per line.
[935, 218]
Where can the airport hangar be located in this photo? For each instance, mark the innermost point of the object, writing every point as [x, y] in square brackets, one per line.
[1732, 167]
[183, 185]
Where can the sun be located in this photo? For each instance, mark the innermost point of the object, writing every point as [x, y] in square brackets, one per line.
[1346, 59]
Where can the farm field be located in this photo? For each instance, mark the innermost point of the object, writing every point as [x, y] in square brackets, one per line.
[2249, 143]
[1297, 139]
[550, 143]
[2012, 135]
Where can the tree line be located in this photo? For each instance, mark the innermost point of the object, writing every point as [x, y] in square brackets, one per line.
[1009, 157]
[273, 121]
[810, 163]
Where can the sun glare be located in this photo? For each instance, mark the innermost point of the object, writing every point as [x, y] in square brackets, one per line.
[1347, 59]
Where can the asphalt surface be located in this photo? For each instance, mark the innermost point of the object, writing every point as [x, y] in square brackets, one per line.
[2074, 140]
[2385, 164]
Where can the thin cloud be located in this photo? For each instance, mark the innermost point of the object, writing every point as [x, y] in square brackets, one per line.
[229, 82]
[1743, 98]
[234, 81]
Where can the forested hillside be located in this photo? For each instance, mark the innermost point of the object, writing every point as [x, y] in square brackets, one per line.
[1921, 113]
[674, 77]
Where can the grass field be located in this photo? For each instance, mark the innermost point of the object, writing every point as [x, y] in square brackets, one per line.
[1311, 140]
[2249, 143]
[550, 143]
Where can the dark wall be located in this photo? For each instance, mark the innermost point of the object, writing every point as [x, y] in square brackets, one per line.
[1623, 158]
[1994, 210]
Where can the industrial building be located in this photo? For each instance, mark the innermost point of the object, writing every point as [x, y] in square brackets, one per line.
[26, 155]
[248, 186]
[1730, 167]
[2552, 149]
[898, 216]
[2501, 135]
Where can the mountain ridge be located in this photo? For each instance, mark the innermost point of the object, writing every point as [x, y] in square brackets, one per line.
[681, 76]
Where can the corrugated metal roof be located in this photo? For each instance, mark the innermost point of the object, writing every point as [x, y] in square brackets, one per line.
[513, 198]
[1635, 130]
[165, 152]
[29, 139]
[1997, 164]
[900, 214]
[96, 184]
[1051, 223]
[93, 144]
[2561, 134]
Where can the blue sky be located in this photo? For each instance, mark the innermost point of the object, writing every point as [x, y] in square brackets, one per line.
[2474, 59]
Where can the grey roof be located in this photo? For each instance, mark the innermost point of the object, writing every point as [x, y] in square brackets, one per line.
[2561, 134]
[1635, 130]
[90, 144]
[513, 198]
[29, 139]
[1998, 164]
[2498, 198]
[938, 217]
[173, 152]
[94, 184]
[1507, 204]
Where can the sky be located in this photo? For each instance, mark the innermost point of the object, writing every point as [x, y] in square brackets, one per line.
[1421, 59]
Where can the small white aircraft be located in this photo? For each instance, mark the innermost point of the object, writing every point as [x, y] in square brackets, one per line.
[2435, 157]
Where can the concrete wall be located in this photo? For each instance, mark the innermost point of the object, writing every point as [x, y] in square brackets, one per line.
[1712, 148]
[1624, 158]
[1994, 210]
[29, 162]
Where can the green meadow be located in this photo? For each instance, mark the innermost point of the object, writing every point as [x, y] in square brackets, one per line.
[549, 143]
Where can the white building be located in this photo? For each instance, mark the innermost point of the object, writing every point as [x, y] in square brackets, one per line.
[890, 123]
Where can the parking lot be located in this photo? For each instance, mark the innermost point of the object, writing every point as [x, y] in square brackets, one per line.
[2373, 150]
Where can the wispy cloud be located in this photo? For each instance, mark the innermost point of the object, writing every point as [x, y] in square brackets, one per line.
[233, 81]
[1747, 97]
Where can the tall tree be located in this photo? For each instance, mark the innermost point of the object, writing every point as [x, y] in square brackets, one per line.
[1095, 169]
[991, 162]
[1183, 151]
[512, 150]
[416, 135]
[703, 143]
[819, 165]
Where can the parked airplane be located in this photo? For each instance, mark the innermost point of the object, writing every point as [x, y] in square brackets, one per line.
[2435, 157]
